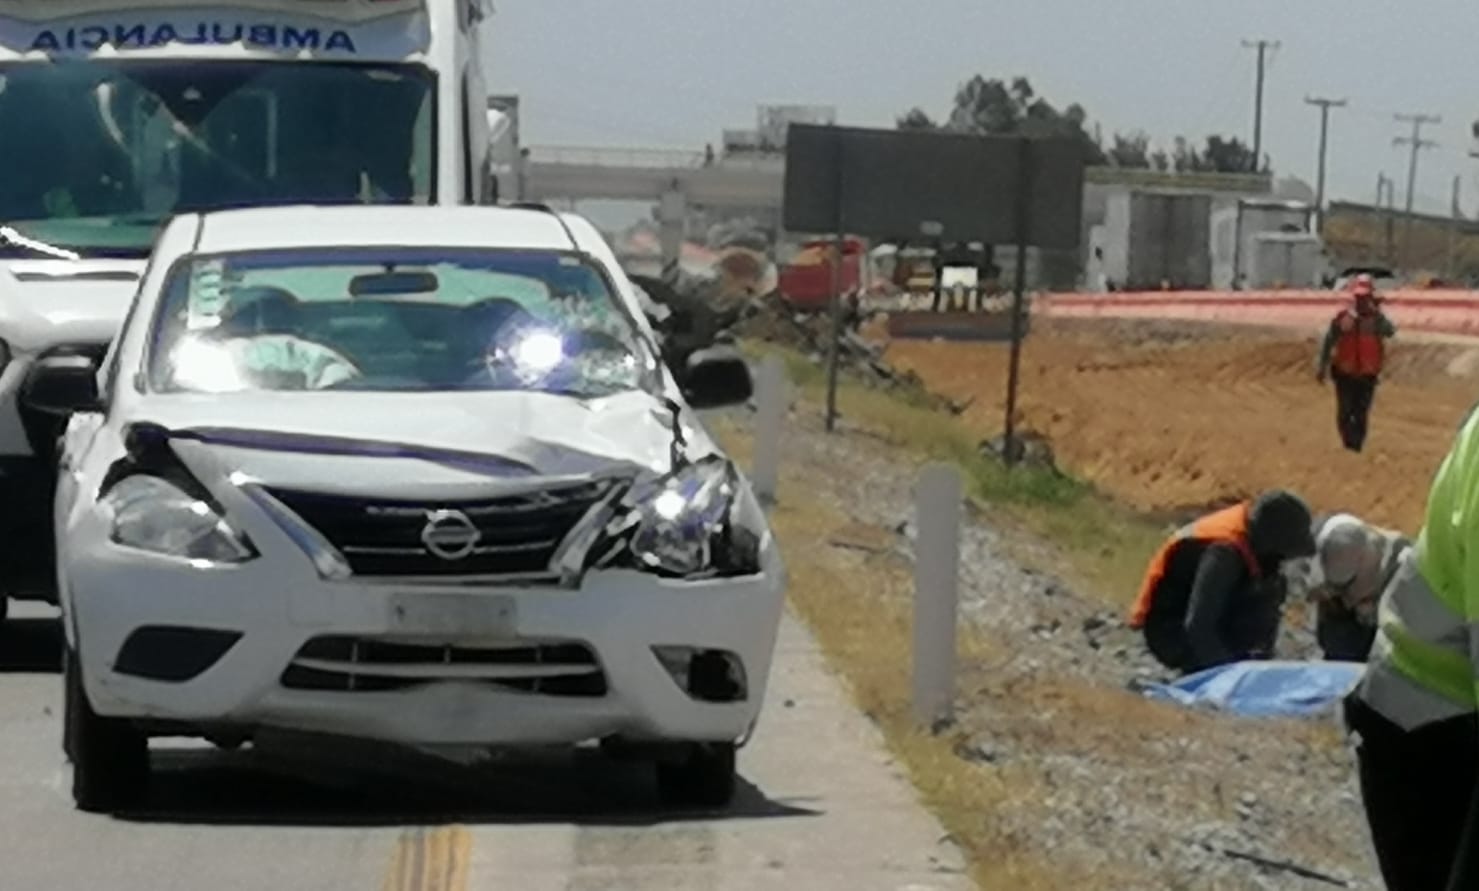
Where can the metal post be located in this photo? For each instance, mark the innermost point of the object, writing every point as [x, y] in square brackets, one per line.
[834, 343]
[1024, 206]
[1237, 277]
[937, 500]
[770, 405]
[1456, 212]
[834, 347]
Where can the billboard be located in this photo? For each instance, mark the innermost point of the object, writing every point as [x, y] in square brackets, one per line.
[893, 184]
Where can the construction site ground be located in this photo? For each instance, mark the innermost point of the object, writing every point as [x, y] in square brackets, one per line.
[1055, 773]
[1169, 418]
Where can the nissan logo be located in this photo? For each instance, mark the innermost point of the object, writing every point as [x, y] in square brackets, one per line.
[449, 534]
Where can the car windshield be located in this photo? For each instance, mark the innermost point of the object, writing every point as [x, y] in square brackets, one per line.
[98, 154]
[395, 320]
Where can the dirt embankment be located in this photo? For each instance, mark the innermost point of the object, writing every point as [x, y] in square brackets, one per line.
[1173, 417]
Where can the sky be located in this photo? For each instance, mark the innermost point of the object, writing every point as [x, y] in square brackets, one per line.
[674, 73]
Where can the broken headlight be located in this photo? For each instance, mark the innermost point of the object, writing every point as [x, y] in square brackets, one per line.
[696, 522]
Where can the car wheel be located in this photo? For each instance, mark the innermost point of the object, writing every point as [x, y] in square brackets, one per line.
[110, 758]
[703, 776]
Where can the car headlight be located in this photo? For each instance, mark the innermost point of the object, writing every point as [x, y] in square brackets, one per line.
[154, 515]
[697, 521]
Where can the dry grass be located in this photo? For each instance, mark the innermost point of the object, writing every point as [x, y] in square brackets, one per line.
[1100, 547]
[856, 599]
[857, 603]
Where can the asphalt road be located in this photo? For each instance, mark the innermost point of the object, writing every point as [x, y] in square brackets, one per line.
[822, 808]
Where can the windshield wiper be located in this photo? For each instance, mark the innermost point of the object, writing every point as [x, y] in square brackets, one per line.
[13, 238]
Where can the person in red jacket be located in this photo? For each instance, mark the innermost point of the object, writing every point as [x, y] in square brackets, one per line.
[1353, 353]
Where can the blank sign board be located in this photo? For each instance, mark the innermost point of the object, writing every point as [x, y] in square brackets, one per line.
[893, 184]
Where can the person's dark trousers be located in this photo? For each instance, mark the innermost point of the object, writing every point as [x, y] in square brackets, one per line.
[1353, 397]
[1166, 640]
[1418, 787]
[1342, 636]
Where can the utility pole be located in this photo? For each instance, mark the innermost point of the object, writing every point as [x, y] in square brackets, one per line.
[1416, 143]
[1324, 105]
[1263, 46]
[1386, 197]
[1451, 272]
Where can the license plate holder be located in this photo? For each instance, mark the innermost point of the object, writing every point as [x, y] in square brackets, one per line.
[467, 615]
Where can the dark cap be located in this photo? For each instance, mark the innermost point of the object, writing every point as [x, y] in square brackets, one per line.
[1280, 525]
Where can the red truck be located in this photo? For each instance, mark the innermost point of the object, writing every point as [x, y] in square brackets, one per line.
[806, 281]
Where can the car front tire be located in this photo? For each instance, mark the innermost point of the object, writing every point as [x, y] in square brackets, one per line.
[110, 757]
[703, 776]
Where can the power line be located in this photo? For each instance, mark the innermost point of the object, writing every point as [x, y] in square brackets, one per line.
[1416, 143]
[1263, 46]
[1324, 105]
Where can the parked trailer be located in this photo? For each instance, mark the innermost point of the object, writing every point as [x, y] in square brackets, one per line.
[1155, 239]
[1284, 260]
[1237, 225]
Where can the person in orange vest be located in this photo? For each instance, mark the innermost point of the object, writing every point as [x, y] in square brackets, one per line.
[1352, 354]
[1214, 592]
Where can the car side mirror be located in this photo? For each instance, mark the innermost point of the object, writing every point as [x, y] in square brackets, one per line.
[716, 377]
[63, 385]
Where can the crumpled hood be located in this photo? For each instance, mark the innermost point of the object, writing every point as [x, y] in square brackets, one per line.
[48, 302]
[419, 444]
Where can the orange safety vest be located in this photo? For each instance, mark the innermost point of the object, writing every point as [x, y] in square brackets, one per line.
[1359, 349]
[1226, 526]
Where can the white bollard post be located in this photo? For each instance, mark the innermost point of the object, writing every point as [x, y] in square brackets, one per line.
[937, 501]
[770, 412]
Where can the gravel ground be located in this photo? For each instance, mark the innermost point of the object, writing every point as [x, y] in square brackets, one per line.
[1124, 783]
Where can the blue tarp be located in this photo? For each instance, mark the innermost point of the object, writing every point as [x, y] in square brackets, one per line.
[1264, 689]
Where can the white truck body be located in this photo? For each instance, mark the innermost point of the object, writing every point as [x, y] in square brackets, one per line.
[117, 114]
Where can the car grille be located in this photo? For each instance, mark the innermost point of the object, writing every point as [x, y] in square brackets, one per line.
[363, 664]
[516, 536]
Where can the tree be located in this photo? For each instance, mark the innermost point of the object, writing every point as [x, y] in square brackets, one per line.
[997, 108]
[1131, 151]
[1219, 154]
[1227, 155]
[916, 119]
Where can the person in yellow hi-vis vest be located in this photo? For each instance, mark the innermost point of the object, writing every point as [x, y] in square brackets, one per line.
[1415, 711]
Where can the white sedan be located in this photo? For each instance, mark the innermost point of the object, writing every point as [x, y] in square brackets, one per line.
[413, 475]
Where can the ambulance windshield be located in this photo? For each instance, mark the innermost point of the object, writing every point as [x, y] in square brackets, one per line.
[96, 155]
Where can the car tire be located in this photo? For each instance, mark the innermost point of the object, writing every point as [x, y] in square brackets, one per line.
[702, 777]
[110, 757]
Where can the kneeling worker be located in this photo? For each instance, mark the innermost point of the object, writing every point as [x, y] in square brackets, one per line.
[1355, 561]
[1214, 593]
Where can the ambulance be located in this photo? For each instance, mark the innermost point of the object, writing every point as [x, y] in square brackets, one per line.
[117, 114]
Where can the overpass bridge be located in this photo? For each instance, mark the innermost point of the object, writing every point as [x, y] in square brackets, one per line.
[677, 179]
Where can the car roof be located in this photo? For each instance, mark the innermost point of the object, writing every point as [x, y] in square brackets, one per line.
[363, 225]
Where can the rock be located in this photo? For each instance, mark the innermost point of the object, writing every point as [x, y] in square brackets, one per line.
[978, 752]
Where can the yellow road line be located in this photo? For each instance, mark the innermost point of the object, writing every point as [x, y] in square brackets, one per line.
[430, 860]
